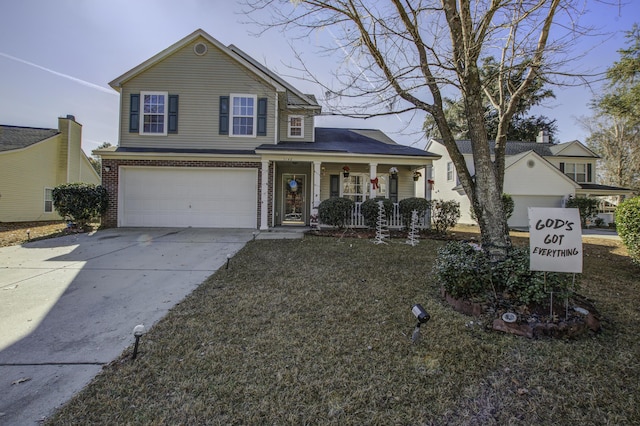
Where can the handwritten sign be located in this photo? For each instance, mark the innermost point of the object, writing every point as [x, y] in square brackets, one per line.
[555, 242]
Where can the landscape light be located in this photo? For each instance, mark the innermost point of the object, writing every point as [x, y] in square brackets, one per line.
[228, 259]
[422, 316]
[138, 331]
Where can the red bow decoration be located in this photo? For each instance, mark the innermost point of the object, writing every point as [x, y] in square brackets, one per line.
[374, 182]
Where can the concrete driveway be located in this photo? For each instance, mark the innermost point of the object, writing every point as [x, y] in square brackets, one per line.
[68, 305]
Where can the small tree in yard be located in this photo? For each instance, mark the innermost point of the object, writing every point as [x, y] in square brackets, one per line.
[80, 202]
[586, 206]
[628, 226]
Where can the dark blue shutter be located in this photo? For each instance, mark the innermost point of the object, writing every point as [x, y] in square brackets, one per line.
[334, 186]
[589, 172]
[224, 115]
[173, 114]
[134, 113]
[262, 117]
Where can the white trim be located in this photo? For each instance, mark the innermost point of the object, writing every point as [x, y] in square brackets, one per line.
[142, 113]
[264, 196]
[254, 118]
[290, 127]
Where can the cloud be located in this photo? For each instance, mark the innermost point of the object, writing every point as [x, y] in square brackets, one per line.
[59, 74]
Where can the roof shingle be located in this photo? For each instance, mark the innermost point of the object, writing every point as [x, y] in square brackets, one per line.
[15, 137]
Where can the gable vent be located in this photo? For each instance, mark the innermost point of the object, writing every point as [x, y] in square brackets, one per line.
[200, 49]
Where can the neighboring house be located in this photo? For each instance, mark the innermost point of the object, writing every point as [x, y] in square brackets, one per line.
[211, 138]
[537, 174]
[33, 161]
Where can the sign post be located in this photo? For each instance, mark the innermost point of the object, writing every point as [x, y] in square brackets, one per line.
[555, 243]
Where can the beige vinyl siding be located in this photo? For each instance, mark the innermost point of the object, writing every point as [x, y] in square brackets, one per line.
[24, 175]
[70, 155]
[87, 173]
[308, 125]
[199, 81]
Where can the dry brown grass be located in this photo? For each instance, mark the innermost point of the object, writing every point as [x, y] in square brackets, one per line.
[317, 331]
[14, 233]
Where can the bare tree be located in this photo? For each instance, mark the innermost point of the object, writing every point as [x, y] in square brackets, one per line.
[407, 55]
[617, 141]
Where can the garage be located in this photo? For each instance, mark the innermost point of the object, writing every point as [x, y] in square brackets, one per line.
[183, 197]
[521, 204]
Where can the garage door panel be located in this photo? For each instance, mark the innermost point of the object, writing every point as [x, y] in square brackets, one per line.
[188, 197]
[521, 204]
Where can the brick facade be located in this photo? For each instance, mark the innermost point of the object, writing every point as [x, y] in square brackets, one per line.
[110, 181]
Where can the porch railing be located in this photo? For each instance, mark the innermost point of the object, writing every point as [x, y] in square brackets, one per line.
[356, 220]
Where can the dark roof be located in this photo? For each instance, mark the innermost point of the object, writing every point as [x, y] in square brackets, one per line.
[512, 147]
[14, 137]
[594, 186]
[350, 141]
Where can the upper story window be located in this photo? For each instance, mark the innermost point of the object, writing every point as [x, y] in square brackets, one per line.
[243, 115]
[450, 171]
[296, 126]
[154, 113]
[579, 172]
[48, 200]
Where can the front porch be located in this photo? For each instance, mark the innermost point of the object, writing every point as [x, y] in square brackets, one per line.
[300, 186]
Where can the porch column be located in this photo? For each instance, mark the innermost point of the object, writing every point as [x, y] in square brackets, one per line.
[316, 187]
[428, 175]
[264, 197]
[373, 174]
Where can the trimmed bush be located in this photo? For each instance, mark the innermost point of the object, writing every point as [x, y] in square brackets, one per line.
[80, 202]
[369, 210]
[586, 206]
[628, 226]
[408, 205]
[334, 211]
[466, 271]
[444, 215]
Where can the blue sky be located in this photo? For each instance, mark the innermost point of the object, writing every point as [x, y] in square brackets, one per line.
[57, 57]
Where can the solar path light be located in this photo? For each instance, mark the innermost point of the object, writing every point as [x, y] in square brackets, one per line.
[138, 331]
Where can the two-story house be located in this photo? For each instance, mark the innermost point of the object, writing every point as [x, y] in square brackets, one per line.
[537, 174]
[211, 138]
[33, 161]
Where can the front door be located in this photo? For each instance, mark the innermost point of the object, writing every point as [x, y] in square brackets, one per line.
[293, 190]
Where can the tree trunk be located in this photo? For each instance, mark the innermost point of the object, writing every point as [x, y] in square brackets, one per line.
[486, 196]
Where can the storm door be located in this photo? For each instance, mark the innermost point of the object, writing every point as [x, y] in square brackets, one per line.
[294, 209]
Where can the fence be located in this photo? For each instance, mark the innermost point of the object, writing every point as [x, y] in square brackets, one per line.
[356, 220]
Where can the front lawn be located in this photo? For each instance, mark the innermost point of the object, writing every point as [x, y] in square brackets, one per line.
[317, 331]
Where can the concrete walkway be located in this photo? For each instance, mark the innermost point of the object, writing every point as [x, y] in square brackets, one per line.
[68, 305]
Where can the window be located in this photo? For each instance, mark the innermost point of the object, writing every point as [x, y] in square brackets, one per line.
[355, 187]
[577, 172]
[449, 171]
[243, 115]
[296, 126]
[154, 113]
[48, 200]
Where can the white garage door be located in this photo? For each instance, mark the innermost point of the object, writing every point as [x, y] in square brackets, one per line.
[521, 204]
[181, 197]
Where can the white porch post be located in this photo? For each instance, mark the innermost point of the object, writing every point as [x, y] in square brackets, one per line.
[264, 197]
[373, 173]
[428, 175]
[316, 187]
